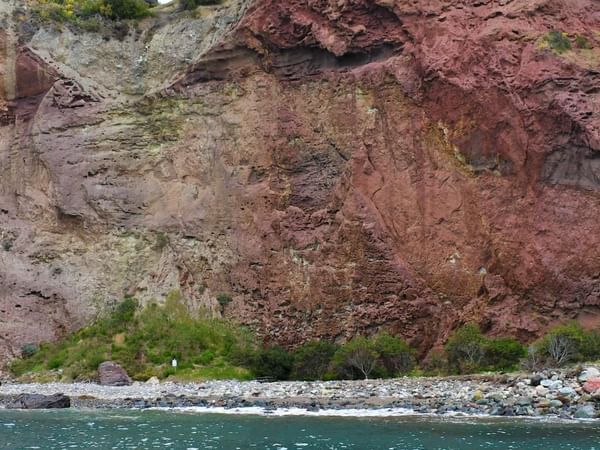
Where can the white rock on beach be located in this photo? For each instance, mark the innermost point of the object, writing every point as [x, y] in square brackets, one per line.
[553, 385]
[153, 381]
[541, 391]
[589, 372]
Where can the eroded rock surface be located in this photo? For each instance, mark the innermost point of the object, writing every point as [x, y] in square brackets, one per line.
[336, 167]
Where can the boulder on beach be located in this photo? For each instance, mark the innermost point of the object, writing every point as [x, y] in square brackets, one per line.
[153, 381]
[591, 385]
[585, 412]
[112, 374]
[589, 373]
[39, 401]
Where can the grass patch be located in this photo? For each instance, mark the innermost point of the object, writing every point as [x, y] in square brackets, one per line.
[144, 341]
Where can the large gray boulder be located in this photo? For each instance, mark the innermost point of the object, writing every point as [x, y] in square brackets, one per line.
[112, 374]
[586, 412]
[39, 401]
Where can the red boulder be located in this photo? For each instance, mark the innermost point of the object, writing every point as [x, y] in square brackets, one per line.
[592, 385]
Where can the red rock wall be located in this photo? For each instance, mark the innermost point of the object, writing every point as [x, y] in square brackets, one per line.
[472, 195]
[338, 167]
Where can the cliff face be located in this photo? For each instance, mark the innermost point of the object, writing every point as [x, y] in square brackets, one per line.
[337, 167]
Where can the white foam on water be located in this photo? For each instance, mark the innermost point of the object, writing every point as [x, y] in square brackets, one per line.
[257, 411]
[358, 413]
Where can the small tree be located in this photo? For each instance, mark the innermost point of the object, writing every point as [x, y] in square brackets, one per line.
[395, 355]
[561, 349]
[534, 359]
[465, 349]
[312, 360]
[356, 359]
[562, 344]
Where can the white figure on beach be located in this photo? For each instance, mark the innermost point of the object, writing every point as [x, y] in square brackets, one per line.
[174, 364]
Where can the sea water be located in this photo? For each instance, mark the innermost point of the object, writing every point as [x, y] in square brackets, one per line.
[157, 429]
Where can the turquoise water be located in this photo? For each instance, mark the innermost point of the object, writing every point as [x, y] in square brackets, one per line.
[73, 429]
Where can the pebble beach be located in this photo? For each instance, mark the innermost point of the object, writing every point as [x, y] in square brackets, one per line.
[559, 394]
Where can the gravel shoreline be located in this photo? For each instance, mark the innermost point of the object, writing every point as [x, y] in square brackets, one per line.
[548, 394]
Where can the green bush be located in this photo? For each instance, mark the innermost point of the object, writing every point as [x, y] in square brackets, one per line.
[28, 350]
[193, 4]
[127, 9]
[395, 355]
[124, 313]
[382, 355]
[312, 360]
[558, 41]
[274, 362]
[590, 346]
[503, 353]
[436, 364]
[562, 344]
[356, 359]
[224, 300]
[468, 350]
[465, 349]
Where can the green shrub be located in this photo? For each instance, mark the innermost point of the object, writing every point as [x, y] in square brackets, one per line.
[356, 359]
[395, 355]
[224, 300]
[436, 364]
[274, 362]
[193, 4]
[28, 350]
[468, 350]
[503, 353]
[590, 346]
[558, 41]
[465, 349]
[124, 313]
[312, 360]
[562, 344]
[127, 9]
[271, 362]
